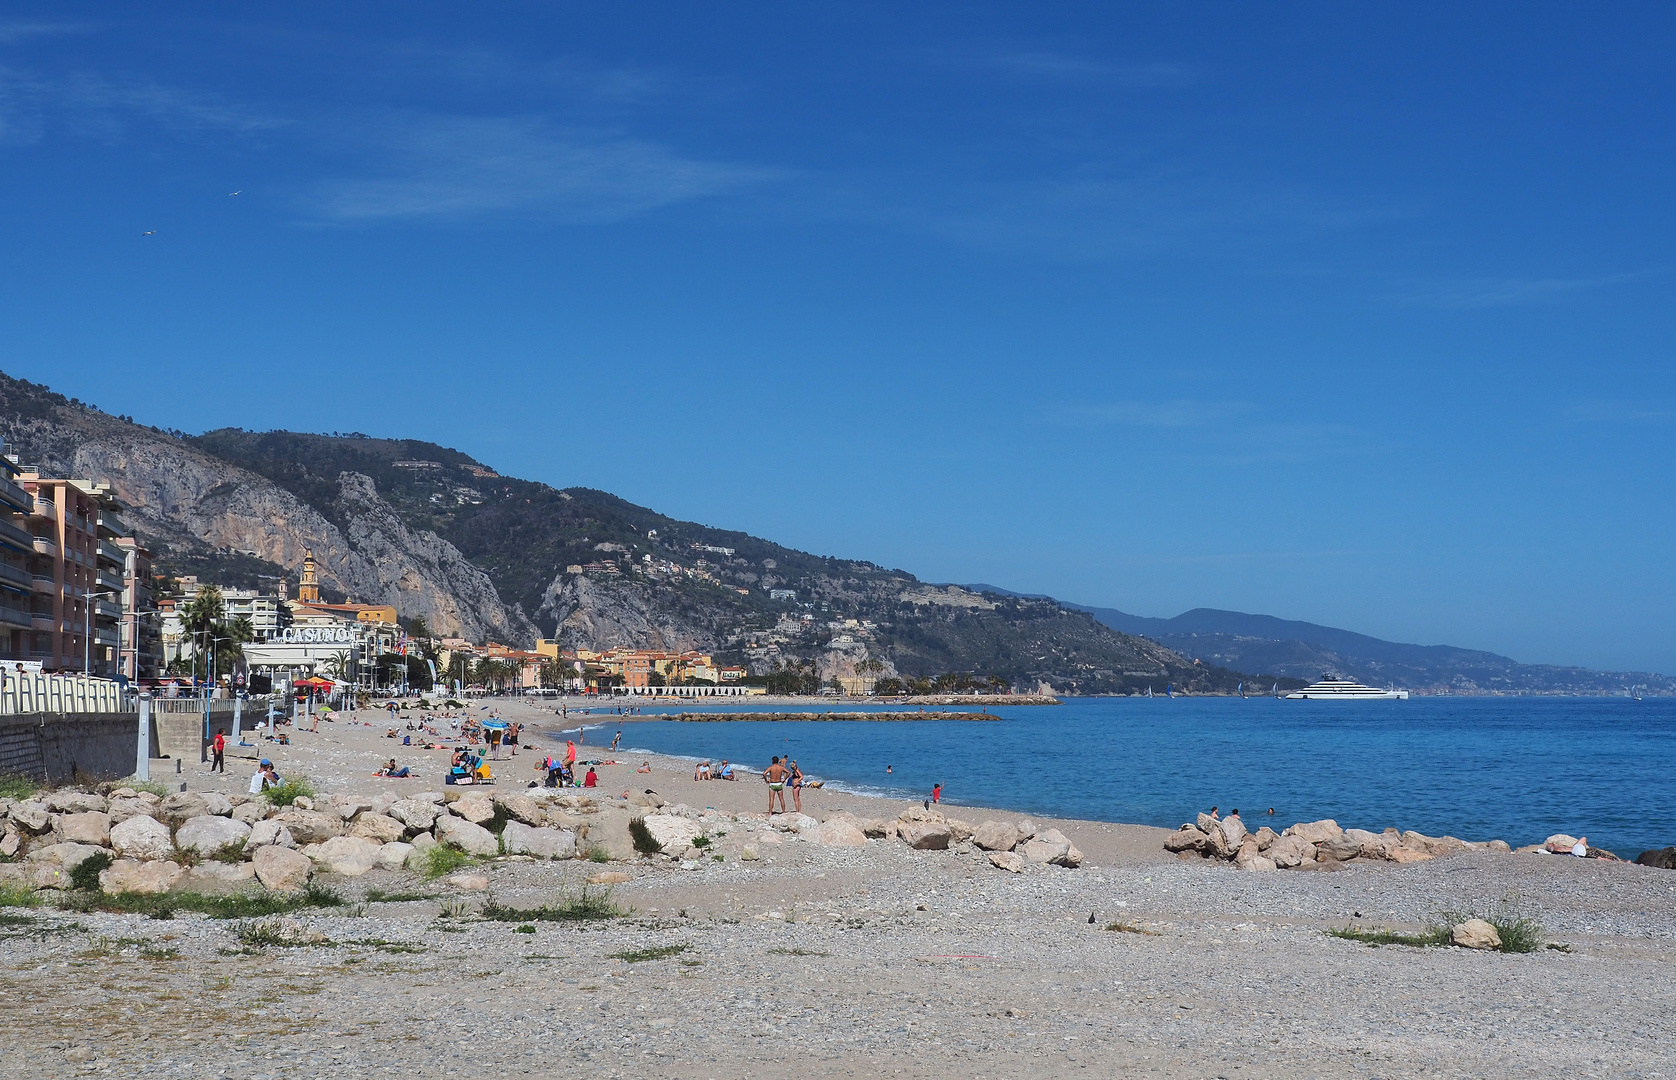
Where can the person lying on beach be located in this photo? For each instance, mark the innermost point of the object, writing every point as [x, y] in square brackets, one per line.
[391, 771]
[645, 767]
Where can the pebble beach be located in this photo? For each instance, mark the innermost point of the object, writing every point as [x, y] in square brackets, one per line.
[768, 954]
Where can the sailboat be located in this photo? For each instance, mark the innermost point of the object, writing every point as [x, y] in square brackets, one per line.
[1169, 690]
[1242, 691]
[1276, 690]
[1148, 689]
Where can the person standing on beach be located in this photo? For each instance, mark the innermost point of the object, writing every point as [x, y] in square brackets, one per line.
[616, 740]
[570, 752]
[796, 786]
[936, 794]
[218, 746]
[775, 777]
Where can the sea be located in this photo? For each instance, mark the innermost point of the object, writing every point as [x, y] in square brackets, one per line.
[1517, 769]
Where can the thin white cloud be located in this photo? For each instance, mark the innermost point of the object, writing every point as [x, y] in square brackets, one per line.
[1617, 412]
[1060, 67]
[1517, 292]
[16, 30]
[1155, 414]
[458, 168]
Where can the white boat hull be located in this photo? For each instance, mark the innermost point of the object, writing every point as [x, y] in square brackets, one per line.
[1330, 695]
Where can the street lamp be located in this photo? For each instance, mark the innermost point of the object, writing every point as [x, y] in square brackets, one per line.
[87, 638]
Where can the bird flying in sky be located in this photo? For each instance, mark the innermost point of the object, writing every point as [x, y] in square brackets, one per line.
[230, 194]
[149, 232]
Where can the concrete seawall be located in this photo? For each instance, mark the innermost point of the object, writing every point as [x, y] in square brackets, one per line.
[58, 748]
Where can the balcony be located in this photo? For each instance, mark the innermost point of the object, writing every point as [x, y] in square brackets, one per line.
[45, 509]
[42, 620]
[11, 616]
[14, 535]
[13, 495]
[16, 575]
[112, 523]
[114, 553]
[44, 584]
[104, 609]
[109, 580]
[44, 545]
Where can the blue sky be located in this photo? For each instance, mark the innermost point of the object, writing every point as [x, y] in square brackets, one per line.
[1345, 313]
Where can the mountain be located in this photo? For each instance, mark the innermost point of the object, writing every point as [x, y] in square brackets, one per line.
[1306, 650]
[480, 555]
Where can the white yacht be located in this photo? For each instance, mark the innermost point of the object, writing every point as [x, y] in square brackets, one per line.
[1331, 689]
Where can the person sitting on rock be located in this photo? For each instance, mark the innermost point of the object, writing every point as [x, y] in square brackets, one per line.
[1581, 847]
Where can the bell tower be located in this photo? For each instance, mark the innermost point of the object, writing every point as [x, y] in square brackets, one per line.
[308, 587]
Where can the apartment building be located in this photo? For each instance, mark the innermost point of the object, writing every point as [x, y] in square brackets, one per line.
[141, 655]
[17, 557]
[77, 574]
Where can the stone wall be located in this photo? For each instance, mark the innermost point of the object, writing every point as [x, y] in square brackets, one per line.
[59, 747]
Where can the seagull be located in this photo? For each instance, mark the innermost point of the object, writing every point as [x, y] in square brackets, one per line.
[149, 232]
[230, 194]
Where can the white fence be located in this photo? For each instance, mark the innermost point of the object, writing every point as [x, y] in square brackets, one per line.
[27, 692]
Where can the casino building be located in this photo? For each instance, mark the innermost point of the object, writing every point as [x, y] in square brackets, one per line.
[337, 641]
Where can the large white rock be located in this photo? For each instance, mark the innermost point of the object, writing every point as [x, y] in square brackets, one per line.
[475, 808]
[1050, 846]
[264, 833]
[123, 809]
[131, 876]
[838, 832]
[89, 827]
[470, 838]
[521, 808]
[1475, 934]
[417, 814]
[219, 873]
[32, 816]
[1315, 832]
[281, 869]
[1010, 861]
[67, 855]
[377, 827]
[253, 811]
[394, 855]
[75, 802]
[217, 804]
[794, 822]
[1233, 832]
[996, 836]
[674, 833]
[142, 838]
[348, 856]
[310, 826]
[208, 835]
[181, 807]
[521, 839]
[1290, 850]
[925, 835]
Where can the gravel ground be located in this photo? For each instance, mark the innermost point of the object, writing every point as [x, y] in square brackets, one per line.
[872, 961]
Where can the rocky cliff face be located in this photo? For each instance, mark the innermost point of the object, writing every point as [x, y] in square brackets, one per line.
[183, 501]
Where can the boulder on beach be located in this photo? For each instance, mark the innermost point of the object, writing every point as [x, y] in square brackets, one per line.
[87, 827]
[282, 869]
[1047, 847]
[142, 838]
[1290, 851]
[1010, 861]
[996, 836]
[151, 877]
[838, 832]
[181, 807]
[310, 826]
[348, 856]
[925, 835]
[208, 834]
[543, 843]
[378, 827]
[1315, 832]
[1186, 838]
[264, 833]
[470, 838]
[1658, 858]
[475, 808]
[1339, 848]
[417, 814]
[1475, 934]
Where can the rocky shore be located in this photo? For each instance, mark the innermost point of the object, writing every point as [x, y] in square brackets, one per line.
[861, 937]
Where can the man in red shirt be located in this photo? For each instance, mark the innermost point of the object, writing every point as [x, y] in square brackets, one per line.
[592, 779]
[219, 746]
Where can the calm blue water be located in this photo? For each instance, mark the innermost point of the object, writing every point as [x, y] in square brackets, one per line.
[1515, 768]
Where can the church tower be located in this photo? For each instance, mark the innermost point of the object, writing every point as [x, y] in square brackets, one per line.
[308, 588]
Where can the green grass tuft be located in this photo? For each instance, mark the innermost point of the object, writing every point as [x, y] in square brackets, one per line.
[86, 874]
[18, 787]
[581, 906]
[444, 859]
[1130, 928]
[289, 792]
[644, 841]
[654, 952]
[1379, 935]
[598, 854]
[156, 787]
[240, 905]
[379, 896]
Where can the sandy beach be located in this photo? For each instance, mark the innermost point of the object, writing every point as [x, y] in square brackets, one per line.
[813, 960]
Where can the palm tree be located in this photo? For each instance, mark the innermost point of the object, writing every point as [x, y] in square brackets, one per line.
[202, 618]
